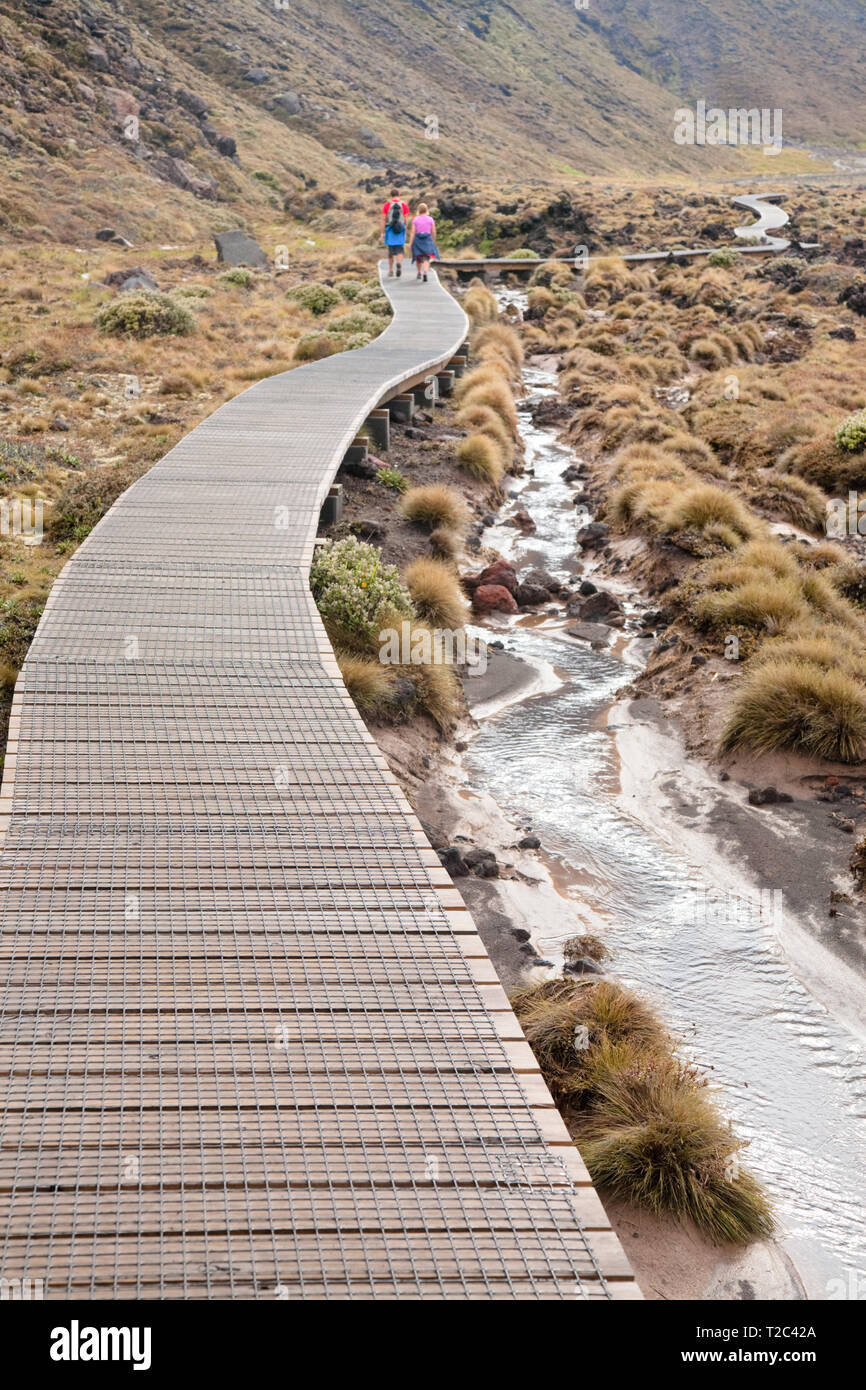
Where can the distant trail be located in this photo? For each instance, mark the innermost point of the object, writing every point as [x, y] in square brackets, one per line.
[770, 216]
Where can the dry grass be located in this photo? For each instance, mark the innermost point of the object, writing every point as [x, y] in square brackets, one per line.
[500, 341]
[480, 305]
[436, 593]
[496, 395]
[369, 683]
[704, 505]
[799, 704]
[481, 456]
[480, 419]
[435, 506]
[445, 544]
[645, 1123]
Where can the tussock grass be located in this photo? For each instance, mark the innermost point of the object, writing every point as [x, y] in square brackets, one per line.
[820, 460]
[501, 340]
[487, 373]
[496, 395]
[480, 419]
[435, 506]
[801, 705]
[369, 683]
[761, 603]
[436, 593]
[444, 543]
[438, 689]
[713, 351]
[704, 505]
[645, 1123]
[481, 456]
[801, 503]
[480, 305]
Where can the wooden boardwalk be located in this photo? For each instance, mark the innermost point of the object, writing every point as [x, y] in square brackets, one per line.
[250, 1043]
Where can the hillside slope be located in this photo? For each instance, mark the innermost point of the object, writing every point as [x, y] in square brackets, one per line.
[245, 107]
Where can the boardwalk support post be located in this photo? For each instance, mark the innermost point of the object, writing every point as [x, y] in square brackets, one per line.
[379, 427]
[332, 507]
[446, 383]
[402, 409]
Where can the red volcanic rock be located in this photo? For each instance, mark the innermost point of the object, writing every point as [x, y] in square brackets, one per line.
[523, 521]
[493, 598]
[501, 572]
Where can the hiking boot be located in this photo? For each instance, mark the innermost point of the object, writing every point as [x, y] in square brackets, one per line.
[399, 271]
[425, 279]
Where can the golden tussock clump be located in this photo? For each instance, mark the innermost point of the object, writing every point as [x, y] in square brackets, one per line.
[369, 683]
[481, 456]
[434, 506]
[643, 1119]
[480, 305]
[436, 593]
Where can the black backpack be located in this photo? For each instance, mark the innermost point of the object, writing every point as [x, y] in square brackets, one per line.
[395, 218]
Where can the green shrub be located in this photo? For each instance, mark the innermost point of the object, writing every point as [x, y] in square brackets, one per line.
[393, 478]
[319, 299]
[84, 500]
[145, 314]
[725, 256]
[376, 301]
[358, 321]
[522, 254]
[851, 434]
[238, 275]
[356, 340]
[355, 591]
[192, 292]
[350, 289]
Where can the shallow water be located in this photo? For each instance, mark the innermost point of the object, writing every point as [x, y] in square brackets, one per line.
[792, 1077]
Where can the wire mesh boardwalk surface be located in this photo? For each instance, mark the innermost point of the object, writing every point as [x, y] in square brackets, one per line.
[250, 1044]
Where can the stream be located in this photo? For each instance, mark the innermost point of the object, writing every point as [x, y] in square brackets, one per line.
[791, 1075]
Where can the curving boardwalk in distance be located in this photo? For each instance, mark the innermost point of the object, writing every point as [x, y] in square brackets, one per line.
[250, 1044]
[770, 218]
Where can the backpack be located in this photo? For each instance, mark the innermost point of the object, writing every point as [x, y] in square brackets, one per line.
[395, 218]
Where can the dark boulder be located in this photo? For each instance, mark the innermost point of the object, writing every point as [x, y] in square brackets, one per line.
[289, 102]
[184, 175]
[600, 607]
[453, 862]
[531, 595]
[135, 278]
[196, 104]
[595, 633]
[593, 535]
[582, 965]
[236, 248]
[522, 520]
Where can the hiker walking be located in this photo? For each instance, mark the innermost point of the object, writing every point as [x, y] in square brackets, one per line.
[395, 215]
[424, 248]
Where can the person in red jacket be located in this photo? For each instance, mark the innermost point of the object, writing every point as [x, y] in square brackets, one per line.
[395, 216]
